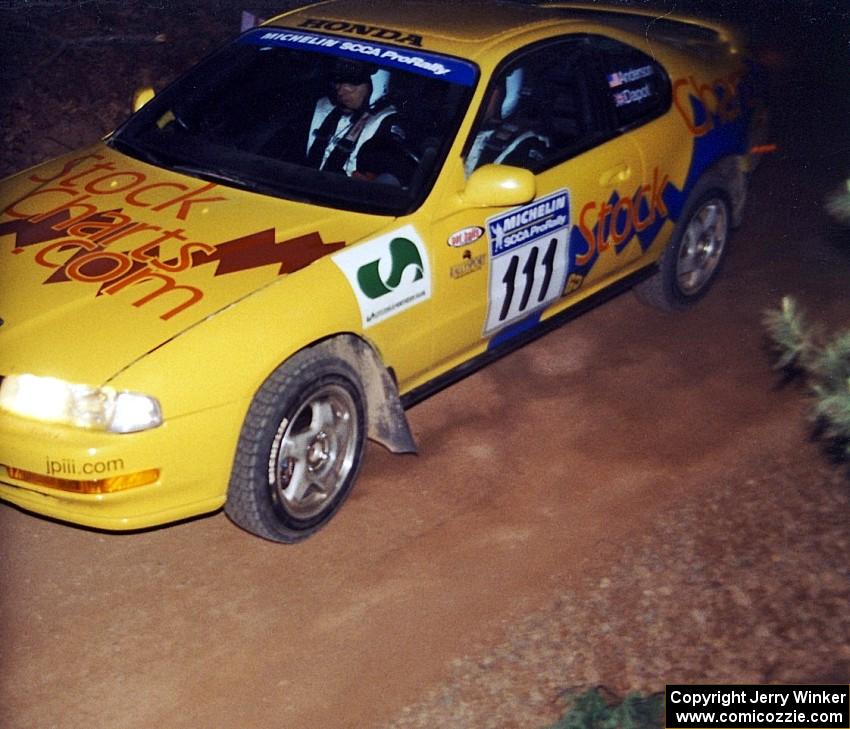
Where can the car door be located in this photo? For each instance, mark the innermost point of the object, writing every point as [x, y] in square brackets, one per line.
[617, 229]
[501, 266]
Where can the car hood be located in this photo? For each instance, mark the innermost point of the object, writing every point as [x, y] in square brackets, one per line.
[103, 258]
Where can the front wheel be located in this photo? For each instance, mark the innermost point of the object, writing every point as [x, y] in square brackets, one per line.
[300, 449]
[693, 258]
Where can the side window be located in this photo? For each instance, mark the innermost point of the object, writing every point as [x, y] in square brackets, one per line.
[539, 110]
[638, 87]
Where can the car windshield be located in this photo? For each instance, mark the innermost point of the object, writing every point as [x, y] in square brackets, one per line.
[309, 117]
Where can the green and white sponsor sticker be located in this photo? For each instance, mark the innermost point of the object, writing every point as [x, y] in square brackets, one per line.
[388, 274]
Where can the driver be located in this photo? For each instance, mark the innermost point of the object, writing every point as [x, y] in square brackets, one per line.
[355, 128]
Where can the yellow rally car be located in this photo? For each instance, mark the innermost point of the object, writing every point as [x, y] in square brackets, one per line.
[331, 217]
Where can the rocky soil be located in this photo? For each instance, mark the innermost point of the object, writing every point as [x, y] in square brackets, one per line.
[749, 585]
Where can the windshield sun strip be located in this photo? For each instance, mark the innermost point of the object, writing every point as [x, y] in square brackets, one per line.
[432, 65]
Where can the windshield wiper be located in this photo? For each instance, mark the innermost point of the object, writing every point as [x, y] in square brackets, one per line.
[137, 151]
[168, 162]
[215, 176]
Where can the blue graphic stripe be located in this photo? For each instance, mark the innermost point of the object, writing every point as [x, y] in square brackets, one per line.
[454, 70]
[514, 330]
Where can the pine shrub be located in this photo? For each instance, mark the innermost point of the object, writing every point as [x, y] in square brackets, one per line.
[823, 362]
[591, 710]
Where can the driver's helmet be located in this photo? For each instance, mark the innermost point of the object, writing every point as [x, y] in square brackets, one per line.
[514, 85]
[346, 71]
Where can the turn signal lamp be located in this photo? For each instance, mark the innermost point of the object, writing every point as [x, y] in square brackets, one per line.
[100, 486]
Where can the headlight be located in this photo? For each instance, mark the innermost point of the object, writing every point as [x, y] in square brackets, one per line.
[83, 406]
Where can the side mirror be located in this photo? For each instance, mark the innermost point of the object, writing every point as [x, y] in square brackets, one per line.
[142, 96]
[499, 186]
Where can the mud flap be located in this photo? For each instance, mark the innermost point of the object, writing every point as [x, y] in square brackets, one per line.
[732, 171]
[387, 422]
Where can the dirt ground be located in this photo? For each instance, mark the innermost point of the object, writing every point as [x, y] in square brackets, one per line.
[632, 500]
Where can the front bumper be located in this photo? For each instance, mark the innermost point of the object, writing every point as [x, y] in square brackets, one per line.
[193, 455]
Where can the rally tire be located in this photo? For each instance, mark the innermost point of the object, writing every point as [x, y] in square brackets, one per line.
[300, 448]
[694, 257]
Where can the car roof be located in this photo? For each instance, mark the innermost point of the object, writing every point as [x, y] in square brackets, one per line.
[471, 27]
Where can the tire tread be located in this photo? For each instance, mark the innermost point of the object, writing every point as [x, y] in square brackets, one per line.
[248, 504]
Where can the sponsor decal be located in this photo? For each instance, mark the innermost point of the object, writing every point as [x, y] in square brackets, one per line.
[75, 240]
[370, 31]
[466, 236]
[388, 274]
[632, 96]
[470, 264]
[719, 116]
[419, 62]
[86, 179]
[706, 106]
[292, 40]
[529, 251]
[70, 467]
[621, 78]
[574, 283]
[613, 223]
[518, 226]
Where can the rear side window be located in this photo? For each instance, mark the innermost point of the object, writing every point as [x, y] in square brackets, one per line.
[638, 87]
[541, 108]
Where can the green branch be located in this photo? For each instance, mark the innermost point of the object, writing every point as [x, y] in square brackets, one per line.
[802, 349]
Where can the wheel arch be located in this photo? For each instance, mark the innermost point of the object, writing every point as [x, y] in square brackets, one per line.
[386, 420]
[661, 289]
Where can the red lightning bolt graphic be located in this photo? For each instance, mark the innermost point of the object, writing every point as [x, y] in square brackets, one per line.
[239, 254]
[260, 249]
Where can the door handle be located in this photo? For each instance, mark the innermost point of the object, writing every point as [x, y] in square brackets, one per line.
[615, 175]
